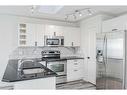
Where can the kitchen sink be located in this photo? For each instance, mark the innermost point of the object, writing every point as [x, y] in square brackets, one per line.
[33, 71]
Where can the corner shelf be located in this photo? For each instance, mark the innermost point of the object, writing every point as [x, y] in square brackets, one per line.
[22, 34]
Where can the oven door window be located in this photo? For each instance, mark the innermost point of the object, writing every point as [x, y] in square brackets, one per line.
[52, 42]
[57, 68]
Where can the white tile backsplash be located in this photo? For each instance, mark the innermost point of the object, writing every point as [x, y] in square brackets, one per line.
[35, 52]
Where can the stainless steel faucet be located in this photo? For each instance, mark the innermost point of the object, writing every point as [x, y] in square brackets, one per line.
[21, 61]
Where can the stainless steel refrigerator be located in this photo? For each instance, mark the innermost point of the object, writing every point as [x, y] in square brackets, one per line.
[110, 59]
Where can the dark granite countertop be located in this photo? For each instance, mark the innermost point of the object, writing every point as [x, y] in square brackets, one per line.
[12, 74]
[52, 59]
[61, 59]
[72, 57]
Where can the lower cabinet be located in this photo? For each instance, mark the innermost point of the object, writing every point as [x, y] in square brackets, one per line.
[75, 69]
[7, 88]
[42, 83]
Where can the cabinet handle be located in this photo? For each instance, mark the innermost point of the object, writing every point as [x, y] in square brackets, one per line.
[75, 70]
[54, 33]
[114, 29]
[75, 63]
[75, 60]
[35, 43]
[72, 44]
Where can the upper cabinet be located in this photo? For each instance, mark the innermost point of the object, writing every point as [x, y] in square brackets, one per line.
[40, 32]
[54, 30]
[30, 34]
[71, 36]
[115, 24]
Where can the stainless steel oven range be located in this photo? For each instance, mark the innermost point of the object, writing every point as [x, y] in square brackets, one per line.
[54, 63]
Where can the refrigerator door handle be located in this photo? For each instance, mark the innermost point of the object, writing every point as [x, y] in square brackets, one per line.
[106, 50]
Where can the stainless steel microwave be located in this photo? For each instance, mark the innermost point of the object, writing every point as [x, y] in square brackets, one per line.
[54, 40]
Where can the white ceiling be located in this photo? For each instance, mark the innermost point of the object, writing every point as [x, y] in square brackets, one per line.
[60, 15]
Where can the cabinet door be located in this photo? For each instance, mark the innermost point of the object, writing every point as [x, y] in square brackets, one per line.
[34, 34]
[72, 36]
[54, 30]
[31, 34]
[40, 30]
[42, 83]
[115, 24]
[59, 30]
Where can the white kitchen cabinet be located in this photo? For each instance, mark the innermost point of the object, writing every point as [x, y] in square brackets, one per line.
[31, 35]
[115, 24]
[41, 83]
[6, 85]
[40, 32]
[7, 88]
[75, 69]
[54, 30]
[71, 36]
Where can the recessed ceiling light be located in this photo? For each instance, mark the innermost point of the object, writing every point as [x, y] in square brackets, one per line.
[80, 14]
[74, 16]
[49, 9]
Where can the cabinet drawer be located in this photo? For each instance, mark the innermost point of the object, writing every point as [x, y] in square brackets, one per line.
[76, 71]
[75, 64]
[74, 75]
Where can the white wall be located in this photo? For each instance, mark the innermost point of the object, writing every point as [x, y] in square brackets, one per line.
[8, 35]
[7, 42]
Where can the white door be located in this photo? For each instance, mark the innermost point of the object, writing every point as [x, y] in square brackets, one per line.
[88, 39]
[91, 57]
